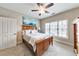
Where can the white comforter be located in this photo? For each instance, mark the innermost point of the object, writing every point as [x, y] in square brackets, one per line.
[33, 37]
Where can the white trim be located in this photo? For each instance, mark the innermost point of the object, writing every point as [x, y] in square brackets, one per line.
[66, 43]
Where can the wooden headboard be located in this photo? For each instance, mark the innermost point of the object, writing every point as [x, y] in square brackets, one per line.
[27, 27]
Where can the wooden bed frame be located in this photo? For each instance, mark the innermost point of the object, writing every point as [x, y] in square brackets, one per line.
[41, 45]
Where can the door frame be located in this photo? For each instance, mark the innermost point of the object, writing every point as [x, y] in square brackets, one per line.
[75, 40]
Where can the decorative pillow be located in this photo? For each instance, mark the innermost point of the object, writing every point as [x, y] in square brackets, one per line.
[30, 31]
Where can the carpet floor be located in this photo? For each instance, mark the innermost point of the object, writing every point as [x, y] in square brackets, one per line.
[58, 49]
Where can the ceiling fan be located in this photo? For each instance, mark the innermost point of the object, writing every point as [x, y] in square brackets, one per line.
[42, 8]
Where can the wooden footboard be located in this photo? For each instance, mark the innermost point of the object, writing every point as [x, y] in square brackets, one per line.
[41, 46]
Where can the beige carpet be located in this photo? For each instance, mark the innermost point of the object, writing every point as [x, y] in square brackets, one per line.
[19, 50]
[57, 49]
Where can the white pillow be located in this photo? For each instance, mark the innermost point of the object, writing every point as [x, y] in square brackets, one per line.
[27, 31]
[34, 31]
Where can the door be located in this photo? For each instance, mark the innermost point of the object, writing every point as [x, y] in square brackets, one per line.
[75, 38]
[4, 32]
[8, 29]
[12, 29]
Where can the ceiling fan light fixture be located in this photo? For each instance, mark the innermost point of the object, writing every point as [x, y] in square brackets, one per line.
[41, 9]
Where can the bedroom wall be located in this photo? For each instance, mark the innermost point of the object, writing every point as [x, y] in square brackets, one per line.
[8, 13]
[70, 16]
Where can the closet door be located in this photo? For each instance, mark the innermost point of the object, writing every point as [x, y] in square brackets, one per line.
[12, 32]
[9, 42]
[8, 29]
[4, 31]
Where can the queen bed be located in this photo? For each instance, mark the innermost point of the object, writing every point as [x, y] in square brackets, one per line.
[37, 42]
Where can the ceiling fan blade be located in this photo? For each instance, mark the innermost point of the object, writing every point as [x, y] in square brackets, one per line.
[49, 5]
[40, 14]
[40, 4]
[34, 10]
[46, 12]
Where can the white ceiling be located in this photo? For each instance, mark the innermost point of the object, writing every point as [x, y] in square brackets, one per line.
[25, 8]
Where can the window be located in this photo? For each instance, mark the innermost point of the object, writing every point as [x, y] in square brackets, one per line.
[58, 28]
[47, 28]
[53, 28]
[62, 28]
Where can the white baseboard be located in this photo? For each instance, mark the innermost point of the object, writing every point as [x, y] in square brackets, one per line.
[66, 43]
